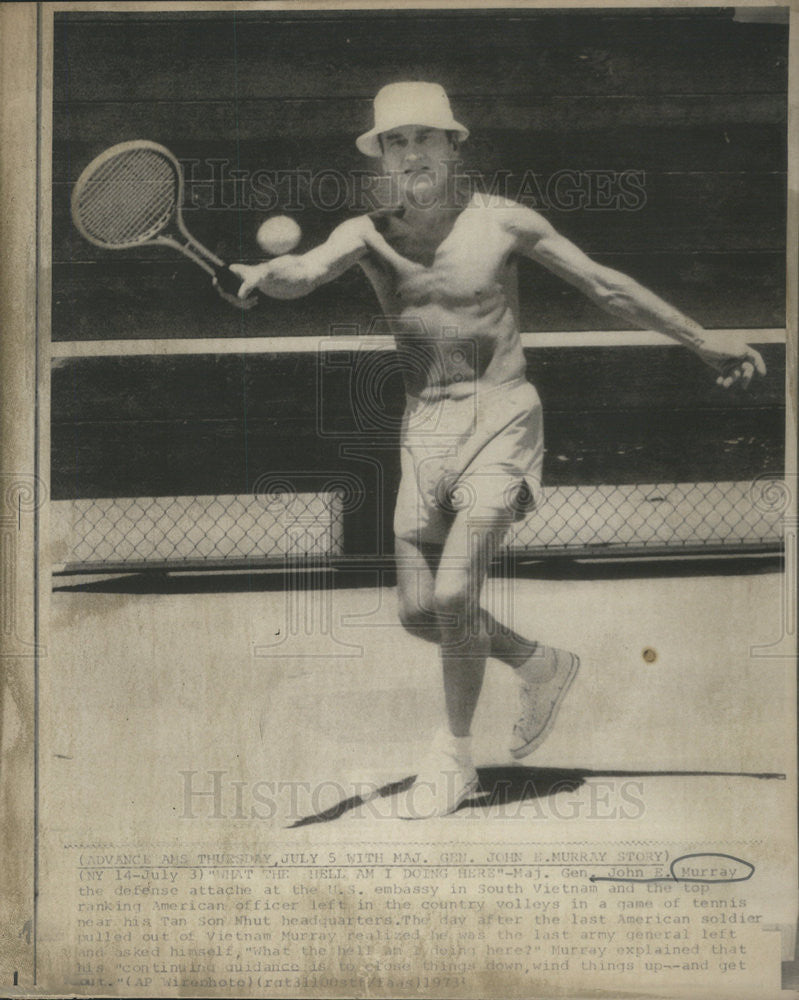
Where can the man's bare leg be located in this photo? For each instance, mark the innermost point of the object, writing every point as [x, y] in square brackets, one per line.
[464, 636]
[450, 587]
[416, 572]
[424, 577]
[438, 591]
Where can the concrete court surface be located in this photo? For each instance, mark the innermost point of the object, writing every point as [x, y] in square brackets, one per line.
[324, 689]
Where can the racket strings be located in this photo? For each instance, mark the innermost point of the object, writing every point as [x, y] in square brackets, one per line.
[128, 198]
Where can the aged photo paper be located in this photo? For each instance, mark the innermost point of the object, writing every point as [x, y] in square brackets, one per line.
[398, 499]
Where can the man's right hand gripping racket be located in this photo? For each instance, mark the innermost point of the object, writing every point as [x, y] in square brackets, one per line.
[131, 196]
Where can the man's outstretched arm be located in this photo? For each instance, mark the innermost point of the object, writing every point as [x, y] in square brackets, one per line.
[294, 275]
[617, 293]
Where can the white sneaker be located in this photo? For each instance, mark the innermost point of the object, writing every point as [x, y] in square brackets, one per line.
[541, 700]
[444, 782]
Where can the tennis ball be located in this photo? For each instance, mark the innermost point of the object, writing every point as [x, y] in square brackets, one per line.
[278, 234]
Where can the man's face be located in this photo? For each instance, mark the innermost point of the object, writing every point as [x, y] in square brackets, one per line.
[419, 158]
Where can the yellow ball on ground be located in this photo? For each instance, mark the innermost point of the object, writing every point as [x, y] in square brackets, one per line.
[278, 235]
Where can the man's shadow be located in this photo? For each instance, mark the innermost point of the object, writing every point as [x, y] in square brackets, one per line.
[505, 785]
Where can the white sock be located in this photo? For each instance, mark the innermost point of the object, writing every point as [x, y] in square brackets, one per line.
[460, 747]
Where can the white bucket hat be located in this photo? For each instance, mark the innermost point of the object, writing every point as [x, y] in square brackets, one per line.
[399, 104]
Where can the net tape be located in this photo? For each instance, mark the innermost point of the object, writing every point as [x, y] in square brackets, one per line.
[128, 198]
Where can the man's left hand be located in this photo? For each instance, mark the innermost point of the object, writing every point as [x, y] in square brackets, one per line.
[734, 360]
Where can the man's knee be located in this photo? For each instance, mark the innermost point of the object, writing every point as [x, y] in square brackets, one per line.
[418, 620]
[456, 602]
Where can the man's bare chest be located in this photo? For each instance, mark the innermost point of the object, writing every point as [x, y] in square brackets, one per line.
[463, 261]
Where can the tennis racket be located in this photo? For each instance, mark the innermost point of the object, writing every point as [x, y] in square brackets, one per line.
[130, 196]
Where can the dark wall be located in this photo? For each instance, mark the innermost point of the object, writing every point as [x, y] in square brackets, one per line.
[200, 424]
[692, 101]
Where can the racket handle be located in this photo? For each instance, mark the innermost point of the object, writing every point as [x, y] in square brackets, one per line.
[228, 280]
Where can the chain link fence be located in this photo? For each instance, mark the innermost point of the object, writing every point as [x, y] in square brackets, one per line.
[143, 532]
[99, 535]
[661, 517]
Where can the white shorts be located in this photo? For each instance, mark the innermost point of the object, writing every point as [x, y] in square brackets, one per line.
[480, 450]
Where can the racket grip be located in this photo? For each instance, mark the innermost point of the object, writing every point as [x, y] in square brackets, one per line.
[228, 280]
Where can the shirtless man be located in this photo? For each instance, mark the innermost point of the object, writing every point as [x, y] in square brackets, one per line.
[472, 447]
